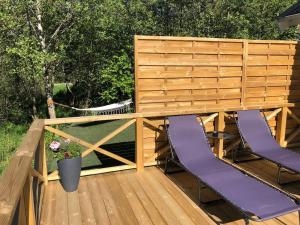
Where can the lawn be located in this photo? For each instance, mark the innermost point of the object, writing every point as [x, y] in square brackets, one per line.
[123, 144]
[10, 138]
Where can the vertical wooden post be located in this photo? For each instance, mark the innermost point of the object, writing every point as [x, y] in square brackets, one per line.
[139, 146]
[29, 202]
[244, 74]
[281, 127]
[42, 168]
[136, 74]
[219, 126]
[26, 208]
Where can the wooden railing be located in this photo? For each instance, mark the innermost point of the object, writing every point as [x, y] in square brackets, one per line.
[22, 185]
[19, 200]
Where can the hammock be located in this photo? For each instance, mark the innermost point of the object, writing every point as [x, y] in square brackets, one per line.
[116, 108]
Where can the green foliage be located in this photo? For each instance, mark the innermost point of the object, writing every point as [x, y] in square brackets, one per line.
[10, 138]
[72, 149]
[116, 81]
[90, 44]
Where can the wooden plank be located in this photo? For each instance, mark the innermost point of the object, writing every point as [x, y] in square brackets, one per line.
[291, 114]
[162, 206]
[90, 172]
[15, 176]
[194, 212]
[152, 211]
[49, 203]
[111, 206]
[232, 146]
[176, 209]
[244, 76]
[139, 146]
[157, 127]
[35, 173]
[292, 135]
[22, 211]
[86, 119]
[145, 37]
[42, 164]
[210, 118]
[273, 114]
[166, 112]
[220, 126]
[137, 207]
[136, 73]
[74, 210]
[97, 202]
[86, 209]
[61, 206]
[31, 214]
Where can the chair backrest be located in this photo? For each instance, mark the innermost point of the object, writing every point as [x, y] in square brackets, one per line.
[188, 140]
[255, 131]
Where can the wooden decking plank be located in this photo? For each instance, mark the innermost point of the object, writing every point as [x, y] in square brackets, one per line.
[149, 197]
[226, 214]
[48, 210]
[87, 213]
[137, 207]
[61, 206]
[158, 201]
[152, 211]
[110, 205]
[119, 197]
[166, 200]
[177, 208]
[74, 212]
[97, 201]
[193, 210]
[45, 205]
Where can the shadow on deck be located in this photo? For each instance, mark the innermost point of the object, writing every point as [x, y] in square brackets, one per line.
[150, 197]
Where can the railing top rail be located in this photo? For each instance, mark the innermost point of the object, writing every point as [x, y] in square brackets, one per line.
[145, 37]
[86, 119]
[14, 177]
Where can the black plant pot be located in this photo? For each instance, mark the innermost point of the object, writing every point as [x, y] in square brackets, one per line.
[69, 172]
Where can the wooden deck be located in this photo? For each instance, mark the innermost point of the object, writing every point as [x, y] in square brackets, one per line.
[149, 197]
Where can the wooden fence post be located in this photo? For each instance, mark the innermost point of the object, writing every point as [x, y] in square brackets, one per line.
[219, 126]
[139, 146]
[42, 168]
[26, 207]
[281, 127]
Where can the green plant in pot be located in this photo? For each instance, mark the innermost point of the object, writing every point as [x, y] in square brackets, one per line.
[69, 165]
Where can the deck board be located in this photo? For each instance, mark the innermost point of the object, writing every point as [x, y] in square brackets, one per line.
[149, 197]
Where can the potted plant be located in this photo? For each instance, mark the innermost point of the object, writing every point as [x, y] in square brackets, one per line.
[69, 165]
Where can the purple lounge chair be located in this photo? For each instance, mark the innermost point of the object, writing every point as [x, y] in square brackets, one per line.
[255, 131]
[254, 199]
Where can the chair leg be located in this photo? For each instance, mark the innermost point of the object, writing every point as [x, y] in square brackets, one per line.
[166, 164]
[247, 222]
[278, 175]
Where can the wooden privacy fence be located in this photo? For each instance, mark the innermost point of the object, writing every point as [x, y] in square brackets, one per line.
[208, 74]
[173, 73]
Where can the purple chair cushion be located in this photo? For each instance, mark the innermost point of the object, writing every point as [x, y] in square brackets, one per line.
[189, 141]
[256, 133]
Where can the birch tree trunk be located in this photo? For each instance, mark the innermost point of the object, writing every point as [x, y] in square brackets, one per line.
[48, 82]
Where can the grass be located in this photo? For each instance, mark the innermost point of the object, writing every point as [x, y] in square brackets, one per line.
[123, 144]
[10, 138]
[60, 88]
